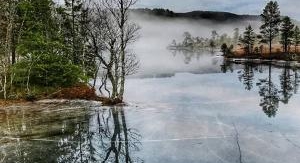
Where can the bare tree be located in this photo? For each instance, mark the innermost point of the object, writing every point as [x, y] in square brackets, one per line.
[127, 32]
[97, 39]
[110, 32]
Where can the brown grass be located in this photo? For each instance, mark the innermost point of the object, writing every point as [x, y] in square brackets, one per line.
[81, 91]
[4, 103]
[84, 92]
[277, 52]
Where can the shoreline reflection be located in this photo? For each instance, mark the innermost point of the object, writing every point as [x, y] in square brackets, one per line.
[273, 89]
[79, 136]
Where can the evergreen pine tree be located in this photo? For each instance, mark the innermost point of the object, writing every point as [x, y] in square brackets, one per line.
[248, 39]
[271, 22]
[296, 37]
[286, 33]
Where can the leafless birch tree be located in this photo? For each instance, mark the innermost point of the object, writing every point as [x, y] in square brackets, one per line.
[110, 33]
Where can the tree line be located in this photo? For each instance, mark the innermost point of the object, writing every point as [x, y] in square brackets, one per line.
[274, 27]
[45, 46]
[200, 43]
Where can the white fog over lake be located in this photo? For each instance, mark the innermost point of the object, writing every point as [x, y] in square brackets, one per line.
[157, 33]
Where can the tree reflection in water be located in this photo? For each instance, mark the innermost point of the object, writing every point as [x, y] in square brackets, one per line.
[108, 141]
[122, 139]
[98, 136]
[271, 93]
[226, 66]
[190, 54]
[286, 84]
[246, 76]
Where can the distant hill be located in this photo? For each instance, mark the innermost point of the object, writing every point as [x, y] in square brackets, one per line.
[209, 15]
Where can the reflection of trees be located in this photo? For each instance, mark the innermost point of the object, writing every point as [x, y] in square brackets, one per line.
[122, 140]
[226, 66]
[190, 54]
[188, 57]
[289, 84]
[102, 136]
[296, 79]
[108, 139]
[269, 93]
[38, 133]
[76, 146]
[247, 75]
[286, 84]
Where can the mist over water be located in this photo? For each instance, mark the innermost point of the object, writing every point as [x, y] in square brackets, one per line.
[158, 32]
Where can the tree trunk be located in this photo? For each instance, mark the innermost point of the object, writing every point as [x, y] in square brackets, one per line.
[114, 86]
[73, 34]
[95, 77]
[13, 55]
[123, 74]
[123, 71]
[5, 84]
[286, 46]
[270, 46]
[13, 48]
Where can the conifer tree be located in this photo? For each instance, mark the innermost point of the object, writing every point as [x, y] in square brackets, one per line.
[271, 22]
[286, 33]
[296, 38]
[248, 39]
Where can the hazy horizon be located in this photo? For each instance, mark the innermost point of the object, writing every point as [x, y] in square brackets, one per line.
[241, 7]
[254, 7]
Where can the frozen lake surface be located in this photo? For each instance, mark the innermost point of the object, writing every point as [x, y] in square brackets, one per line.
[226, 114]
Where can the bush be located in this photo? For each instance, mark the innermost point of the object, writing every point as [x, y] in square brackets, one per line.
[30, 97]
[47, 71]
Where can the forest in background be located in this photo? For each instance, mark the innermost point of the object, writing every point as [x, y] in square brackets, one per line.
[278, 37]
[196, 15]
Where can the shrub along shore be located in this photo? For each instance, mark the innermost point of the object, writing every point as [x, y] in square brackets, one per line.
[76, 92]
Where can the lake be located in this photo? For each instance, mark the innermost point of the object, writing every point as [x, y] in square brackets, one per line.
[182, 107]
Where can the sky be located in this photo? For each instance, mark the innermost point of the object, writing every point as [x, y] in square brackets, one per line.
[287, 7]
